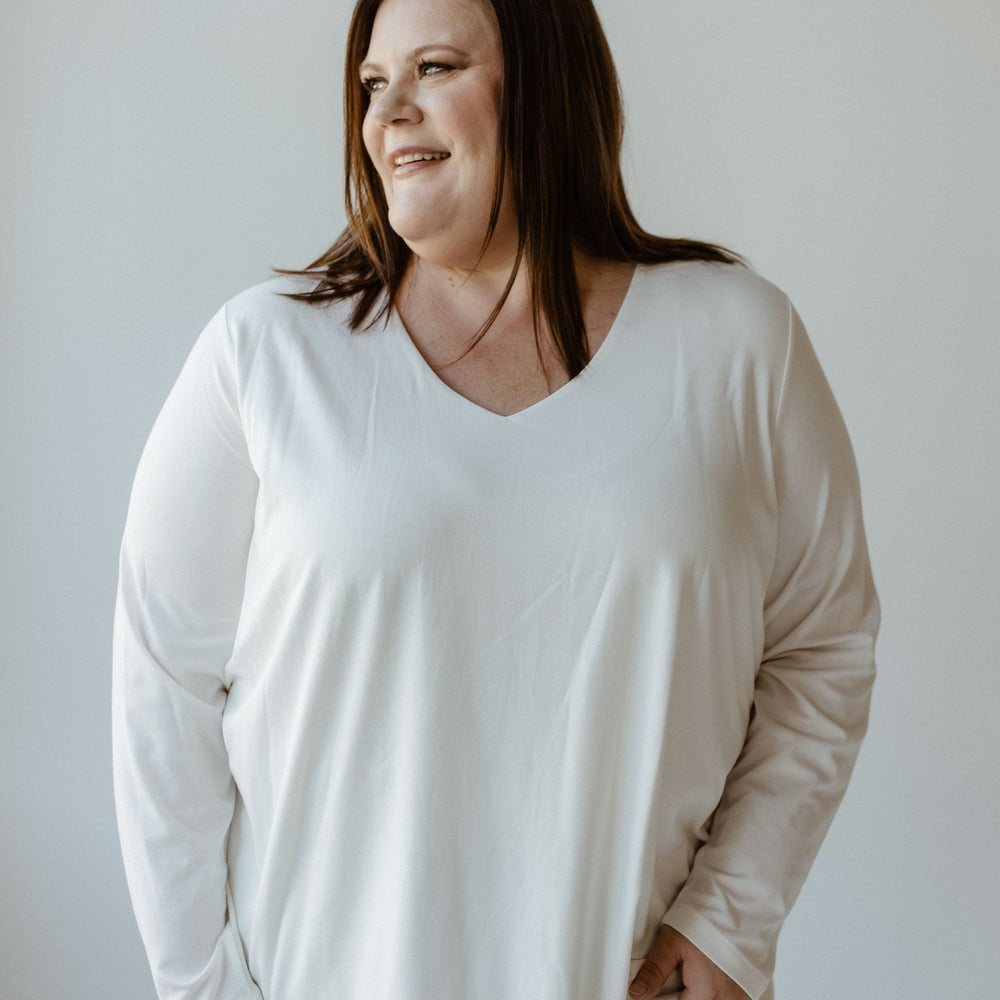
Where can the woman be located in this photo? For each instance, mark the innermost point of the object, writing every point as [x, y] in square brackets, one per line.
[520, 646]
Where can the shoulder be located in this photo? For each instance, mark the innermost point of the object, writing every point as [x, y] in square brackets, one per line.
[726, 302]
[264, 325]
[268, 309]
[713, 326]
[261, 339]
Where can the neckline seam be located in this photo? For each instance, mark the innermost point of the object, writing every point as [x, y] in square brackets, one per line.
[427, 373]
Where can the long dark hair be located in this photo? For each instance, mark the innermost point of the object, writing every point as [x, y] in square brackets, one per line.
[560, 83]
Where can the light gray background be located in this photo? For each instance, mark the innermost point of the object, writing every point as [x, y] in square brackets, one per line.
[157, 158]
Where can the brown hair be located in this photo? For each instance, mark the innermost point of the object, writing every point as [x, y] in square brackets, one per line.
[559, 82]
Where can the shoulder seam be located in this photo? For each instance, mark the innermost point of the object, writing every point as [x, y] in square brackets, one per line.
[787, 363]
[234, 369]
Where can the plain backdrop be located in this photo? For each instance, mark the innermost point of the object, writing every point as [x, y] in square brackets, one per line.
[157, 158]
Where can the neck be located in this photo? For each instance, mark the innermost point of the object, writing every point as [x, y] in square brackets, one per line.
[469, 291]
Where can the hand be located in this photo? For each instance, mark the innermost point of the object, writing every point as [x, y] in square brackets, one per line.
[703, 979]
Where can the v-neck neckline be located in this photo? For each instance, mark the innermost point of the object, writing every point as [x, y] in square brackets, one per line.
[598, 361]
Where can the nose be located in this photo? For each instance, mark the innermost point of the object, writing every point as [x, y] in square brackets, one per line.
[395, 105]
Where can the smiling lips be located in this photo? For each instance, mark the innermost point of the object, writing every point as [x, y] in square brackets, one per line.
[404, 157]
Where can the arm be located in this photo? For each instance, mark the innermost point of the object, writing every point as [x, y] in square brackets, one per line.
[811, 696]
[183, 563]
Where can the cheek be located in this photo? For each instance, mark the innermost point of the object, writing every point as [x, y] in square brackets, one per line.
[484, 117]
[369, 138]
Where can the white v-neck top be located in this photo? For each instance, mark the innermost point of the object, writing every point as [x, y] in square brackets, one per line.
[413, 701]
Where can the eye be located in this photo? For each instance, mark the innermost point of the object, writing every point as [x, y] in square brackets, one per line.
[434, 68]
[372, 84]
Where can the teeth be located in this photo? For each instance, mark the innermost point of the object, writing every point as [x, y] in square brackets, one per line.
[413, 157]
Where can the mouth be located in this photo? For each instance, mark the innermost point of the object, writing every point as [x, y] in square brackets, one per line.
[403, 157]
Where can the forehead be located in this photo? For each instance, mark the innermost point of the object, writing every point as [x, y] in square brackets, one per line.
[413, 24]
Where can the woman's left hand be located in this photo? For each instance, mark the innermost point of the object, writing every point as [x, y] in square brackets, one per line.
[703, 979]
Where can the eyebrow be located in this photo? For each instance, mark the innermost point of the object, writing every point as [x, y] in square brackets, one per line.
[418, 52]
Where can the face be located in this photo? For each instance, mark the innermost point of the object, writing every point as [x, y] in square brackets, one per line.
[433, 72]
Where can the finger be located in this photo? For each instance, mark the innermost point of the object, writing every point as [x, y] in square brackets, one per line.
[662, 959]
[648, 980]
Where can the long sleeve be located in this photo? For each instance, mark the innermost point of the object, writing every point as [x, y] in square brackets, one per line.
[183, 564]
[811, 694]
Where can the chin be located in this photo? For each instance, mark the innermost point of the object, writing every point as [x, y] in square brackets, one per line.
[442, 244]
[443, 233]
[410, 226]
